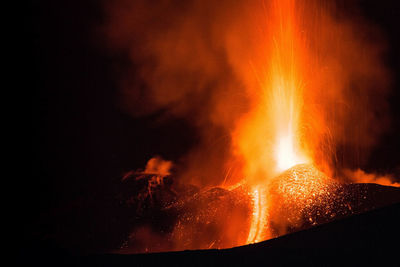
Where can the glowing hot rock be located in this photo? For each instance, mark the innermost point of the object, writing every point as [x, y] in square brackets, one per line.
[298, 196]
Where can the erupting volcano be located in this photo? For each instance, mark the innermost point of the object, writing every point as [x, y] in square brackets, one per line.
[275, 89]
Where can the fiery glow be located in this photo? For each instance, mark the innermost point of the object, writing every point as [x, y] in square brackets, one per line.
[286, 157]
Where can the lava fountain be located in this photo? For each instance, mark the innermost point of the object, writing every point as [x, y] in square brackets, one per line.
[271, 133]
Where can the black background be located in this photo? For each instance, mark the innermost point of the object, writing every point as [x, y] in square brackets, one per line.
[83, 142]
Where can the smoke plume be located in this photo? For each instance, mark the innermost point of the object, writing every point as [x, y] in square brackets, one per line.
[208, 62]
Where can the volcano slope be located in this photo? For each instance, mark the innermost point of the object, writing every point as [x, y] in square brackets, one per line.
[149, 214]
[180, 217]
[367, 239]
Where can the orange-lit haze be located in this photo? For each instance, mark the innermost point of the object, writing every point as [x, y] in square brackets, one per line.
[268, 84]
[158, 166]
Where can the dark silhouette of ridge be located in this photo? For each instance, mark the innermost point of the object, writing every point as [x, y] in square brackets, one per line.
[368, 239]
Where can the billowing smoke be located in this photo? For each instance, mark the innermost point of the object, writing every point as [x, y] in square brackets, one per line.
[206, 61]
[359, 176]
[157, 165]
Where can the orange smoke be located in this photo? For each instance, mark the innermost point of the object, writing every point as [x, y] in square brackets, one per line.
[359, 176]
[158, 166]
[260, 80]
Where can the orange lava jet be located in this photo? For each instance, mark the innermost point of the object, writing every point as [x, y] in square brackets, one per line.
[259, 222]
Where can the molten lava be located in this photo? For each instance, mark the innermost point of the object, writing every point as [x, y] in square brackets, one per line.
[259, 222]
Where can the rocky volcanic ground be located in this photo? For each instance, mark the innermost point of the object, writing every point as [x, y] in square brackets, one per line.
[177, 217]
[148, 213]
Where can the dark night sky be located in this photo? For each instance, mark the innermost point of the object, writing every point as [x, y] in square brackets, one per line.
[83, 142]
